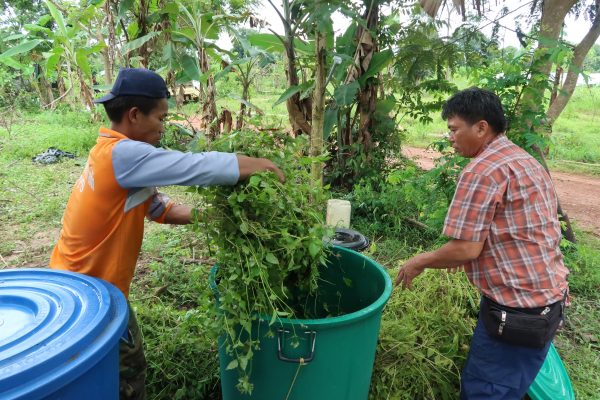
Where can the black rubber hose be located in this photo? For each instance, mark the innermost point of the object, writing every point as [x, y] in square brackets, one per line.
[350, 239]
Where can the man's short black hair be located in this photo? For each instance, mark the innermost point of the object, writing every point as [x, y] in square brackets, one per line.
[475, 104]
[116, 107]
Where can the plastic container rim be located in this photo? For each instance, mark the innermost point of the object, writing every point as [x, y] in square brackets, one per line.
[358, 315]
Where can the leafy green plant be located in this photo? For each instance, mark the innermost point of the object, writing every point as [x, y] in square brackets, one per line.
[404, 201]
[248, 63]
[269, 239]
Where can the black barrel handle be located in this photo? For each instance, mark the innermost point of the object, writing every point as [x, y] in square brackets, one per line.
[302, 360]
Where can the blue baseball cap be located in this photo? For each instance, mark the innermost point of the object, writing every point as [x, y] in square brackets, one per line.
[137, 82]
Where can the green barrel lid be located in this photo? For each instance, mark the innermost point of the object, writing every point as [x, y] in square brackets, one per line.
[552, 382]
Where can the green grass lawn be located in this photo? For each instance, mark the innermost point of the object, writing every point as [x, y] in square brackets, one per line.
[576, 133]
[171, 292]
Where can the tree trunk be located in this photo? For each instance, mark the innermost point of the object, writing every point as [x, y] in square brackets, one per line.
[299, 111]
[40, 92]
[73, 100]
[46, 86]
[61, 85]
[107, 63]
[172, 85]
[170, 79]
[553, 17]
[86, 94]
[181, 95]
[40, 84]
[318, 109]
[109, 51]
[239, 123]
[556, 84]
[209, 106]
[367, 96]
[575, 68]
[142, 21]
[225, 121]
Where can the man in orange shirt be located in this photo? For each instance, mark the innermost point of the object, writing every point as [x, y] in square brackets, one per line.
[504, 228]
[103, 223]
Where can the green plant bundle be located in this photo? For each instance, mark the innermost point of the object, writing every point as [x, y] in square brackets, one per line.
[269, 239]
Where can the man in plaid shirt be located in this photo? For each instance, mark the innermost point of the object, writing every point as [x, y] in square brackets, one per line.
[504, 230]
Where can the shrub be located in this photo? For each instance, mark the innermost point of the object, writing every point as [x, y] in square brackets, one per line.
[403, 202]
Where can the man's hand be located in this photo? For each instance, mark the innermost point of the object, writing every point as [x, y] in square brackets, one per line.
[179, 214]
[452, 255]
[251, 165]
[409, 271]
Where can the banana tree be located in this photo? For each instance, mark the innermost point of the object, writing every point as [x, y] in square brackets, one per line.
[200, 27]
[109, 32]
[171, 50]
[69, 48]
[11, 57]
[139, 30]
[247, 64]
[347, 92]
[293, 17]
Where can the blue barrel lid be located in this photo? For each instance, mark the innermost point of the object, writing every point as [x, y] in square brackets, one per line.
[54, 326]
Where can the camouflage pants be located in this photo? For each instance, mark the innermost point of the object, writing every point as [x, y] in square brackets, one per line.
[132, 363]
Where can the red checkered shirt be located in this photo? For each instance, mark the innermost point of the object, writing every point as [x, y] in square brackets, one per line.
[505, 198]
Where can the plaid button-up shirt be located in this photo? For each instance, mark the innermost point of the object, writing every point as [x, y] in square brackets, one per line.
[505, 198]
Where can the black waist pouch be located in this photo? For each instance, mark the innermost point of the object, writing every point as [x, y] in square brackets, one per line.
[531, 327]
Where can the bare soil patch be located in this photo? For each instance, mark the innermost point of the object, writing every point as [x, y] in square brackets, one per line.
[578, 194]
[33, 252]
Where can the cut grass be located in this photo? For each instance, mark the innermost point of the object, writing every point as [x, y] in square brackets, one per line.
[579, 347]
[405, 371]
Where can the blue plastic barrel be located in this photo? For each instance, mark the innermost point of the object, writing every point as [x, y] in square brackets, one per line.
[59, 335]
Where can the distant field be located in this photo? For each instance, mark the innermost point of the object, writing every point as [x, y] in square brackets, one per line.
[577, 130]
[576, 135]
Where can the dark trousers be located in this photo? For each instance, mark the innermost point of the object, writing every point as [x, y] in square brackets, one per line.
[499, 371]
[132, 363]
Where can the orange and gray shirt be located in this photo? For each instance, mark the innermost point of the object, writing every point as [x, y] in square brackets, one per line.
[103, 223]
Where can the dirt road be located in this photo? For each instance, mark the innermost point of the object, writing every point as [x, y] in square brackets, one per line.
[579, 195]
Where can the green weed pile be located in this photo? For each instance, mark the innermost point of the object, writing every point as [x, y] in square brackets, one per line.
[424, 338]
[269, 241]
[173, 304]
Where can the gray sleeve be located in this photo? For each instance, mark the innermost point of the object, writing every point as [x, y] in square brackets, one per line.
[138, 164]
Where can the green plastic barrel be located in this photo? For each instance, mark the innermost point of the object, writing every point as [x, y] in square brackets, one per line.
[325, 358]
